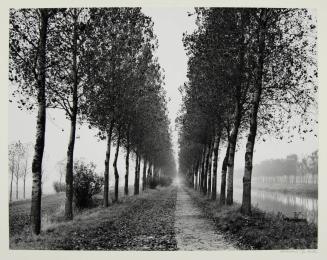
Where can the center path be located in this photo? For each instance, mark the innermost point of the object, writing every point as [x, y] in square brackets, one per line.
[193, 231]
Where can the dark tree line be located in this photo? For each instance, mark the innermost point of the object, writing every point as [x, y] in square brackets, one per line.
[251, 72]
[290, 166]
[98, 66]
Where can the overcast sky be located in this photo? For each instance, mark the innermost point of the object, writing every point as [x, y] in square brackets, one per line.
[169, 25]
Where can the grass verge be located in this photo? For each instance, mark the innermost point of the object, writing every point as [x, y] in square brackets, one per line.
[261, 230]
[143, 222]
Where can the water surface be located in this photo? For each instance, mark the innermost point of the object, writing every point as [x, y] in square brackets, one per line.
[286, 203]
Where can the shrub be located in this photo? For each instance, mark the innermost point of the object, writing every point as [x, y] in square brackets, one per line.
[165, 181]
[86, 184]
[59, 187]
[162, 181]
[152, 183]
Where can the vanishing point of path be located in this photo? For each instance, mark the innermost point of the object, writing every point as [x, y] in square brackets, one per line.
[193, 230]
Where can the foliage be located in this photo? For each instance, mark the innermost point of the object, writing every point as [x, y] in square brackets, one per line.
[153, 183]
[249, 69]
[97, 65]
[128, 84]
[290, 165]
[165, 181]
[309, 164]
[16, 153]
[59, 187]
[86, 183]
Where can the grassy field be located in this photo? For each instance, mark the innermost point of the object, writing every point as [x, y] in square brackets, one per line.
[261, 230]
[143, 222]
[52, 210]
[19, 212]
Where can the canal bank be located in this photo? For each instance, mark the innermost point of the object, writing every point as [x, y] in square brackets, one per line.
[307, 190]
[289, 204]
[261, 230]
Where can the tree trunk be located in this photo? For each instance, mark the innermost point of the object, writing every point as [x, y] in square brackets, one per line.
[231, 156]
[115, 168]
[215, 163]
[205, 177]
[202, 169]
[222, 198]
[136, 179]
[138, 173]
[106, 167]
[149, 174]
[210, 170]
[144, 175]
[196, 180]
[196, 174]
[127, 162]
[69, 171]
[11, 181]
[246, 200]
[71, 144]
[238, 118]
[40, 127]
[17, 187]
[24, 186]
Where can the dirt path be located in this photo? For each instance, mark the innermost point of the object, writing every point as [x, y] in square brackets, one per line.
[193, 231]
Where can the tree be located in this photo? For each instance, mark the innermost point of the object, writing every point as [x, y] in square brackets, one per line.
[222, 198]
[119, 47]
[144, 175]
[66, 81]
[127, 159]
[217, 67]
[60, 165]
[11, 157]
[26, 168]
[16, 153]
[27, 68]
[236, 81]
[215, 162]
[282, 37]
[137, 175]
[40, 125]
[115, 164]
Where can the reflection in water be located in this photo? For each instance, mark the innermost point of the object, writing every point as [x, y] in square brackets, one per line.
[284, 203]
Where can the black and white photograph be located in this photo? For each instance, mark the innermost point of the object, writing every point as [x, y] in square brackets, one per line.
[162, 128]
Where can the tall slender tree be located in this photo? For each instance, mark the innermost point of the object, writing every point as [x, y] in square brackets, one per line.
[28, 64]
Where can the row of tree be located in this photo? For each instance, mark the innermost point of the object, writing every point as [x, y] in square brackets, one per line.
[290, 166]
[98, 66]
[18, 159]
[250, 70]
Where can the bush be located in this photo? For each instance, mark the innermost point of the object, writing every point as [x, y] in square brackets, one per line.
[162, 181]
[86, 184]
[152, 183]
[59, 187]
[165, 181]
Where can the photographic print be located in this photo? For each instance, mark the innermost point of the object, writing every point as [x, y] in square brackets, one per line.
[162, 128]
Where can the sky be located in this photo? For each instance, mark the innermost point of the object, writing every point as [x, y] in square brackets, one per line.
[169, 26]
